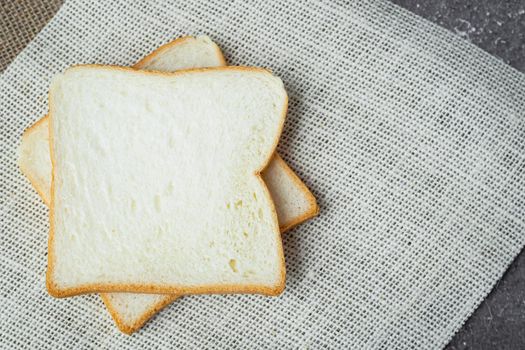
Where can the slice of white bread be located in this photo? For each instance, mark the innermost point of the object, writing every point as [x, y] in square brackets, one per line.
[155, 184]
[183, 53]
[293, 201]
[130, 311]
[33, 157]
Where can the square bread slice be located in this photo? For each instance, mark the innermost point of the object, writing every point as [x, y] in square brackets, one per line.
[293, 201]
[156, 184]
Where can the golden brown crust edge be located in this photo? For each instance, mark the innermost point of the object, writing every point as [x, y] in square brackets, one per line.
[161, 289]
[55, 291]
[219, 53]
[148, 58]
[313, 208]
[50, 252]
[135, 326]
[26, 172]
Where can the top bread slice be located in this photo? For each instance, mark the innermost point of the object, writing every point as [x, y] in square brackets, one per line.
[294, 203]
[156, 183]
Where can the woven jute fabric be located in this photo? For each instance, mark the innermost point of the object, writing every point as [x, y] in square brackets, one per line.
[20, 21]
[412, 140]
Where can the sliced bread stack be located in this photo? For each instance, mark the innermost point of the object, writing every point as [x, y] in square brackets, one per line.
[162, 180]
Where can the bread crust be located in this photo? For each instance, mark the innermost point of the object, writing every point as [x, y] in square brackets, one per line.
[128, 328]
[161, 49]
[131, 328]
[152, 55]
[313, 208]
[26, 172]
[234, 288]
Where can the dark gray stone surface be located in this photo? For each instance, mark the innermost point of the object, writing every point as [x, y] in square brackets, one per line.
[497, 26]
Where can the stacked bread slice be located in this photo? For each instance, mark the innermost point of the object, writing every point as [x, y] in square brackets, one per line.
[162, 180]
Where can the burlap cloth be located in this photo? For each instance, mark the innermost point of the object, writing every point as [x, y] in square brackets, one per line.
[20, 21]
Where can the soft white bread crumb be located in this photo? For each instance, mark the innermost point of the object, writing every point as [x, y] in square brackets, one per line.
[154, 185]
[184, 53]
[131, 310]
[294, 203]
[34, 160]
